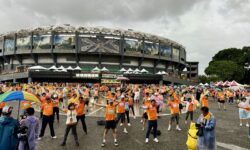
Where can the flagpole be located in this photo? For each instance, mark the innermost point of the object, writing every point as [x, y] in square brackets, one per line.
[18, 109]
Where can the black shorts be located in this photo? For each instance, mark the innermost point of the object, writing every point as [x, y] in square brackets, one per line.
[110, 124]
[145, 116]
[221, 101]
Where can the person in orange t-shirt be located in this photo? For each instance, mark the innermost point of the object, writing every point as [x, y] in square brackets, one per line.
[2, 104]
[121, 113]
[43, 100]
[204, 101]
[110, 116]
[221, 99]
[175, 115]
[190, 109]
[152, 120]
[80, 110]
[47, 118]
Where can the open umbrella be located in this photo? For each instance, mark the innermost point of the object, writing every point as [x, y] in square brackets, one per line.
[61, 68]
[159, 73]
[18, 96]
[130, 70]
[234, 83]
[163, 72]
[121, 78]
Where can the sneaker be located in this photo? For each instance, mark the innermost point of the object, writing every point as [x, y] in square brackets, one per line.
[116, 143]
[146, 141]
[125, 131]
[53, 137]
[143, 128]
[103, 144]
[63, 144]
[134, 117]
[178, 128]
[141, 121]
[240, 124]
[129, 124]
[39, 138]
[121, 124]
[247, 125]
[169, 127]
[156, 140]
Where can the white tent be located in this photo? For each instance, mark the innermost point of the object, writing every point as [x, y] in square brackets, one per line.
[130, 70]
[163, 72]
[123, 70]
[137, 70]
[64, 70]
[104, 69]
[52, 68]
[37, 68]
[206, 84]
[77, 68]
[127, 72]
[144, 71]
[159, 72]
[96, 69]
[61, 68]
[69, 68]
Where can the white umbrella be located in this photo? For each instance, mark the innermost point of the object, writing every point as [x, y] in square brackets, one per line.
[64, 70]
[77, 68]
[123, 70]
[104, 69]
[144, 71]
[69, 68]
[136, 70]
[96, 69]
[206, 84]
[52, 68]
[61, 68]
[127, 72]
[37, 68]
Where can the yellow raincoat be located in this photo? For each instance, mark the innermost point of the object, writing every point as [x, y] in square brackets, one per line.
[192, 137]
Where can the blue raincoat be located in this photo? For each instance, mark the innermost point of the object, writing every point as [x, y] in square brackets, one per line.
[207, 141]
[8, 133]
[32, 123]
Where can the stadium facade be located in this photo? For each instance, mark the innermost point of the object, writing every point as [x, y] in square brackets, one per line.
[89, 47]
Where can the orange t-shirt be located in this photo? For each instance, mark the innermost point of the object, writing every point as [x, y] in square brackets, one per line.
[25, 105]
[80, 109]
[152, 112]
[130, 101]
[121, 107]
[47, 109]
[204, 102]
[55, 103]
[110, 113]
[221, 96]
[191, 107]
[2, 104]
[174, 107]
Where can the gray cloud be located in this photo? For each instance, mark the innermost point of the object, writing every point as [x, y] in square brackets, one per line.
[202, 26]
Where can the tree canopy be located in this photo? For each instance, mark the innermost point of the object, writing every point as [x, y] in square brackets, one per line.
[229, 64]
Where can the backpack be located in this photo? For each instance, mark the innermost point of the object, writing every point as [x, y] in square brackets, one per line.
[8, 133]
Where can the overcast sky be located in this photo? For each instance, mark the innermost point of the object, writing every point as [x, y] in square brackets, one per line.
[202, 26]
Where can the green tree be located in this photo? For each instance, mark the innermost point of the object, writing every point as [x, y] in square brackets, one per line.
[225, 70]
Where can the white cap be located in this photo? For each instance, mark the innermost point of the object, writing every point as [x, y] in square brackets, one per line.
[7, 109]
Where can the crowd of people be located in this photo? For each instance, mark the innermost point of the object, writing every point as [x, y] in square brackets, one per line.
[73, 99]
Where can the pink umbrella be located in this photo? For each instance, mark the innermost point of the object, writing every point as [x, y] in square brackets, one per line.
[121, 78]
[226, 83]
[219, 83]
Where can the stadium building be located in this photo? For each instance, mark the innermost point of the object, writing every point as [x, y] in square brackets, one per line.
[76, 53]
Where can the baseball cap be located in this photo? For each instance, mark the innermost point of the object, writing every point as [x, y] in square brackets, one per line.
[7, 109]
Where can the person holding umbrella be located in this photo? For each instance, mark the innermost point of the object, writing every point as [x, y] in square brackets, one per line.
[48, 118]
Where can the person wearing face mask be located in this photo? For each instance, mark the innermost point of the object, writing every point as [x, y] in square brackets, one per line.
[71, 123]
[206, 124]
[110, 117]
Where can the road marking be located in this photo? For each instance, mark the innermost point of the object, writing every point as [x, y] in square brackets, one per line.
[230, 146]
[94, 111]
